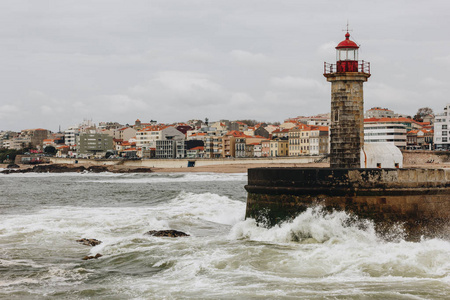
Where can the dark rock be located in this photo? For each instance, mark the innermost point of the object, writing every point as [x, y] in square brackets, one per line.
[56, 169]
[97, 169]
[166, 233]
[89, 242]
[62, 168]
[13, 166]
[138, 170]
[87, 257]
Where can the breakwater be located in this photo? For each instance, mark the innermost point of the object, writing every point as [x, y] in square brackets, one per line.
[417, 199]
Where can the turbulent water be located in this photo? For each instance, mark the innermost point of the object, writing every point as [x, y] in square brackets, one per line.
[316, 256]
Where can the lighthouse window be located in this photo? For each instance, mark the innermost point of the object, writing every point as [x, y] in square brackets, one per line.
[347, 54]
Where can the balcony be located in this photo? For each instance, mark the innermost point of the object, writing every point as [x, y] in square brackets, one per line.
[347, 66]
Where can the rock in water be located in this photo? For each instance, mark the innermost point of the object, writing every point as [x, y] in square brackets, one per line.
[87, 257]
[89, 242]
[167, 233]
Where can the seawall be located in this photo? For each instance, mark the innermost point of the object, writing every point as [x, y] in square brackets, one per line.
[419, 199]
[183, 163]
[422, 157]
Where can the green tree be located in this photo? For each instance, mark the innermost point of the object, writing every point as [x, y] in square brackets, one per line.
[8, 154]
[50, 150]
[422, 112]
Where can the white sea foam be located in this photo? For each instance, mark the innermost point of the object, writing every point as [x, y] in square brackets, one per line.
[175, 177]
[108, 177]
[312, 225]
[66, 174]
[102, 221]
[208, 206]
[335, 245]
[316, 255]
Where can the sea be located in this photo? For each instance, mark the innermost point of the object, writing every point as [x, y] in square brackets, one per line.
[317, 255]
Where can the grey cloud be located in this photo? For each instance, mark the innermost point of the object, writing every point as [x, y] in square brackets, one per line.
[117, 60]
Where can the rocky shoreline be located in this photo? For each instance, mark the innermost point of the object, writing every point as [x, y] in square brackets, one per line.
[67, 168]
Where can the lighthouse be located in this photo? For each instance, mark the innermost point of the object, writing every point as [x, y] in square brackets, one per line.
[347, 76]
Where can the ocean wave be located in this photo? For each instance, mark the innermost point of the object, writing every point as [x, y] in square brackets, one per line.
[313, 225]
[97, 221]
[108, 177]
[65, 174]
[208, 206]
[172, 177]
[345, 247]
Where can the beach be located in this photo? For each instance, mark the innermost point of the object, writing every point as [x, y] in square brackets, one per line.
[222, 168]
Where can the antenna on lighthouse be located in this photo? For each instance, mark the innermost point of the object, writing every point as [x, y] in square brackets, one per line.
[347, 28]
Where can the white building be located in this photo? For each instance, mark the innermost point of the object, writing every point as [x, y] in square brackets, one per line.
[378, 112]
[381, 155]
[394, 133]
[147, 137]
[441, 129]
[70, 135]
[319, 120]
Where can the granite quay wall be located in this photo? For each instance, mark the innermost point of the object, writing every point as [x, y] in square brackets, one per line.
[183, 163]
[419, 199]
[424, 157]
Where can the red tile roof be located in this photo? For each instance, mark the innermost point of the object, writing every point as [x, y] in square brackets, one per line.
[236, 133]
[198, 148]
[391, 120]
[154, 128]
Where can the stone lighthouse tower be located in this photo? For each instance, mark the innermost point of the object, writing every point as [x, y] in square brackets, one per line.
[347, 76]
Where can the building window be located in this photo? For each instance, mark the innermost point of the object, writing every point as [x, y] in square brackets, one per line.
[336, 116]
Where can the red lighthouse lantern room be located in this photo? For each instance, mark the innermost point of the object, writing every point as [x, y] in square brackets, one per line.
[347, 55]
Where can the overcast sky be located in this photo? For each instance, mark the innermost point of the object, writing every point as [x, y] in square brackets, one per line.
[174, 60]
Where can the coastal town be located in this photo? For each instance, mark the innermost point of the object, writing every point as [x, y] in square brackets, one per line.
[194, 139]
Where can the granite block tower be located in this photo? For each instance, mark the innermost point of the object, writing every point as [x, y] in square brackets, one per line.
[347, 105]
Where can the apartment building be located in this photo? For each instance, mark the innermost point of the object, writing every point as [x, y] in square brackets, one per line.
[196, 152]
[294, 141]
[420, 139]
[304, 141]
[94, 144]
[279, 147]
[319, 140]
[318, 120]
[170, 148]
[257, 149]
[70, 135]
[378, 112]
[229, 143]
[213, 146]
[265, 148]
[147, 137]
[385, 132]
[240, 147]
[441, 138]
[33, 138]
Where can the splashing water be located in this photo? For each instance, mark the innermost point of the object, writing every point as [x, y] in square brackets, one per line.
[316, 255]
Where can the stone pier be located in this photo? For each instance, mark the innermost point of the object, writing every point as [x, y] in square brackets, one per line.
[417, 199]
